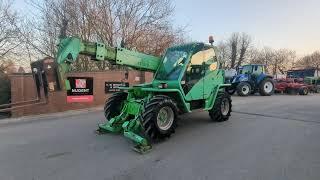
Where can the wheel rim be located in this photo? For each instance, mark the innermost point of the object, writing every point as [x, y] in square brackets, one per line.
[165, 118]
[225, 106]
[245, 89]
[268, 86]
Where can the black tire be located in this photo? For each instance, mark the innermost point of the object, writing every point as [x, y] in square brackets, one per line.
[114, 104]
[152, 130]
[303, 91]
[217, 113]
[264, 87]
[243, 89]
[231, 90]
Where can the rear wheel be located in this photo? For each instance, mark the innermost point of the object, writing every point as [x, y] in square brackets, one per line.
[266, 87]
[159, 118]
[114, 104]
[303, 91]
[243, 89]
[222, 108]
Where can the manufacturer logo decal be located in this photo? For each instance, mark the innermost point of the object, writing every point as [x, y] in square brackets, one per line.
[81, 83]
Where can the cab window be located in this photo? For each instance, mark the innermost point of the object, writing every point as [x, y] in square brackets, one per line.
[257, 70]
[200, 63]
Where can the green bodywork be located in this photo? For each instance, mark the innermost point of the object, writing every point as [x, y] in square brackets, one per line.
[173, 72]
[314, 83]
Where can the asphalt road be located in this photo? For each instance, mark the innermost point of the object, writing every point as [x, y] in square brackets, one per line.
[266, 138]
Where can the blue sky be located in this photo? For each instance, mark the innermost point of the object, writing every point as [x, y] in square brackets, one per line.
[292, 24]
[275, 23]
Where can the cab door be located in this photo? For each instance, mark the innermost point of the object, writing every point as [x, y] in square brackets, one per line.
[211, 78]
[194, 85]
[257, 73]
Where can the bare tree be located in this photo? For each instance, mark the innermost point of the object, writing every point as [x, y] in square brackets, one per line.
[282, 60]
[233, 43]
[277, 61]
[312, 60]
[255, 56]
[8, 48]
[268, 56]
[223, 54]
[144, 25]
[8, 34]
[235, 49]
[245, 41]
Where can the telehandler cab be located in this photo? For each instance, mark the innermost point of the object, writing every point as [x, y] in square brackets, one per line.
[186, 78]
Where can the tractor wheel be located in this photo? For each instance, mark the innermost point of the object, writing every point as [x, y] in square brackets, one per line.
[159, 118]
[303, 91]
[243, 89]
[266, 87]
[317, 89]
[230, 90]
[222, 108]
[114, 104]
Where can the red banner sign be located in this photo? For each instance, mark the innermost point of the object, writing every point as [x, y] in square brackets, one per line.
[88, 98]
[81, 89]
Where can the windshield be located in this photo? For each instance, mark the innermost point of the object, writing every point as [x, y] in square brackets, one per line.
[172, 65]
[246, 70]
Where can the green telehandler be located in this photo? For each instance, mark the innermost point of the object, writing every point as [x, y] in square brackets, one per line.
[186, 78]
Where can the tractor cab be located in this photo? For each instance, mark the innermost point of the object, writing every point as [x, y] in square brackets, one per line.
[254, 72]
[250, 79]
[253, 69]
[192, 68]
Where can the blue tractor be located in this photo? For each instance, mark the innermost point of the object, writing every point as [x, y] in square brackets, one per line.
[250, 79]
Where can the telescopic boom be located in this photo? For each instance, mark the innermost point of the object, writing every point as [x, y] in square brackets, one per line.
[70, 48]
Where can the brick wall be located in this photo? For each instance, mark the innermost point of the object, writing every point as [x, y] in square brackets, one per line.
[23, 89]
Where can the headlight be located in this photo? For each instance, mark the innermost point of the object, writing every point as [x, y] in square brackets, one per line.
[242, 78]
[234, 80]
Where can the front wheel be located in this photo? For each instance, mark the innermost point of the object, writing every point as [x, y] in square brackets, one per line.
[114, 105]
[243, 89]
[266, 87]
[222, 108]
[159, 118]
